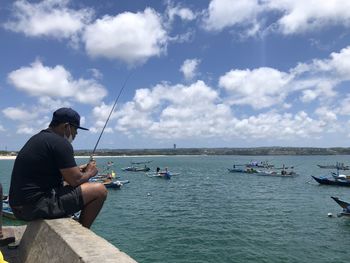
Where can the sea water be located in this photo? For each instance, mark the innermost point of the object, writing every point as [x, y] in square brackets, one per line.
[206, 214]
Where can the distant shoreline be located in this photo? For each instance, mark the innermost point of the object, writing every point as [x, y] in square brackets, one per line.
[257, 151]
[5, 157]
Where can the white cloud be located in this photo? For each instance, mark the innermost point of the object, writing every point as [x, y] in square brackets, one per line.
[279, 126]
[26, 130]
[46, 102]
[320, 77]
[344, 106]
[265, 87]
[227, 13]
[326, 114]
[19, 114]
[57, 82]
[189, 68]
[309, 95]
[182, 12]
[317, 88]
[260, 88]
[174, 106]
[96, 73]
[289, 16]
[35, 117]
[340, 63]
[100, 115]
[195, 111]
[48, 18]
[300, 16]
[2, 128]
[129, 37]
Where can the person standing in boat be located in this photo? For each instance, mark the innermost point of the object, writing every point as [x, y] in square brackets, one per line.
[46, 182]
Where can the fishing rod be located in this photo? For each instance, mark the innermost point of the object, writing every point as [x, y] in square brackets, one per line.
[115, 103]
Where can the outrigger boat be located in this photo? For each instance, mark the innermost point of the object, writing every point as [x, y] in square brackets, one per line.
[344, 205]
[6, 209]
[259, 165]
[165, 175]
[115, 184]
[282, 173]
[246, 171]
[338, 166]
[108, 182]
[135, 167]
[7, 212]
[332, 181]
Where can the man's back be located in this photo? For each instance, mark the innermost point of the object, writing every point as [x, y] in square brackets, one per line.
[36, 169]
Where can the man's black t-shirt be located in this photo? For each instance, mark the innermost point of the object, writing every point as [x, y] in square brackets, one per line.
[37, 167]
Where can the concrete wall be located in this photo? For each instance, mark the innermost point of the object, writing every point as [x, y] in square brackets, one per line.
[64, 240]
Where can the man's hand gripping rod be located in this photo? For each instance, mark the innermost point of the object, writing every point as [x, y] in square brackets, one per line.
[115, 103]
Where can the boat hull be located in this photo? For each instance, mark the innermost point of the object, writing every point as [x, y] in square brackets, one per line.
[7, 212]
[274, 174]
[134, 169]
[115, 184]
[235, 170]
[327, 181]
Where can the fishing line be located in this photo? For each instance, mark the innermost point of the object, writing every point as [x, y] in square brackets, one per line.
[115, 103]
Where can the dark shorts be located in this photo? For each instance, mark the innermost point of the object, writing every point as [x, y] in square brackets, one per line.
[60, 202]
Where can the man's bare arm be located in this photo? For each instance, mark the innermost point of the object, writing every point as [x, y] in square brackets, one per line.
[75, 176]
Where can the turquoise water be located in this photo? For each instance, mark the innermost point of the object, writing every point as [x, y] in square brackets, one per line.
[206, 214]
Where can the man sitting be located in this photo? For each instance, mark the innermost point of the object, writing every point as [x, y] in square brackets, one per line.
[42, 166]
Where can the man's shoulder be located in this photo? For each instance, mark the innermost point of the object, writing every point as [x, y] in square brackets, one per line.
[48, 134]
[49, 137]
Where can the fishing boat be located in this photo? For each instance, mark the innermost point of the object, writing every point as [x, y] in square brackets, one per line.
[332, 181]
[238, 170]
[282, 173]
[115, 184]
[108, 181]
[259, 165]
[164, 175]
[6, 209]
[338, 166]
[7, 212]
[138, 167]
[344, 205]
[108, 170]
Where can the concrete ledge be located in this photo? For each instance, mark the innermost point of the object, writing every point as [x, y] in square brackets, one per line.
[64, 240]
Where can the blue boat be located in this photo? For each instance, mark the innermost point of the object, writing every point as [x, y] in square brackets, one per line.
[344, 205]
[115, 184]
[6, 209]
[7, 212]
[332, 181]
[164, 175]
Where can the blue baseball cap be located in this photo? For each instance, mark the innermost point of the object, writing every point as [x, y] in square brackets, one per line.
[69, 115]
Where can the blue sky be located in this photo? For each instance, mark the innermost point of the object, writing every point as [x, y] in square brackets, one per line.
[219, 73]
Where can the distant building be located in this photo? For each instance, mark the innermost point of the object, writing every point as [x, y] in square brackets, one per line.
[174, 146]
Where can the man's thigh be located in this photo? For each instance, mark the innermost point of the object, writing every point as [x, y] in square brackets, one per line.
[60, 202]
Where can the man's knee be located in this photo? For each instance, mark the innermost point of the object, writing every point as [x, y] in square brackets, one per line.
[102, 191]
[95, 190]
[99, 190]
